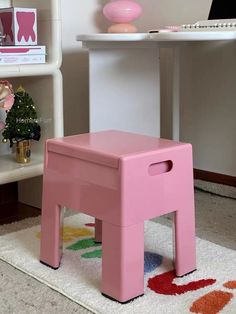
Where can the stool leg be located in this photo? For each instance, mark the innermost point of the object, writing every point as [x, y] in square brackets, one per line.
[98, 230]
[122, 261]
[51, 234]
[185, 246]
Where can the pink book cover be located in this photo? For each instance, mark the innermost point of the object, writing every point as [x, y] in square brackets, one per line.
[19, 25]
[24, 50]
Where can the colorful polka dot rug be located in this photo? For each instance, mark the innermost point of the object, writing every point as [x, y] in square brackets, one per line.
[211, 289]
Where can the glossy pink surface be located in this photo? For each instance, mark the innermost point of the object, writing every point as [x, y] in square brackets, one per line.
[122, 11]
[121, 179]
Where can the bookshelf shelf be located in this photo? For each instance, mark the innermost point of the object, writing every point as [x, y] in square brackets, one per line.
[27, 70]
[44, 84]
[11, 171]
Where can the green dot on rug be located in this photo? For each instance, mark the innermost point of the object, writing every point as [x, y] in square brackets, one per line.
[93, 254]
[83, 244]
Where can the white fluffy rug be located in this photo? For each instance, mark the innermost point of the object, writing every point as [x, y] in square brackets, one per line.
[209, 290]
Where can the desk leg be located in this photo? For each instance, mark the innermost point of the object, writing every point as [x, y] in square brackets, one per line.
[176, 96]
[125, 89]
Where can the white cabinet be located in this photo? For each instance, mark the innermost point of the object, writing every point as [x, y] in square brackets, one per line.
[44, 84]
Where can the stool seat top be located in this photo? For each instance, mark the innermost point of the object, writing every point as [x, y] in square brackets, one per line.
[108, 147]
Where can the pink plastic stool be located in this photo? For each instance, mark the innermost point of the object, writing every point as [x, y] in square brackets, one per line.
[121, 179]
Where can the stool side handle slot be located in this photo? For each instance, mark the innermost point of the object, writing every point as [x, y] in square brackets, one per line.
[160, 167]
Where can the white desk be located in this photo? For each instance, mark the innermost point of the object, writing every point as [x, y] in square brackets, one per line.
[125, 78]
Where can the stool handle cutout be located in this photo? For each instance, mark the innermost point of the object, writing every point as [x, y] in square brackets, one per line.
[160, 167]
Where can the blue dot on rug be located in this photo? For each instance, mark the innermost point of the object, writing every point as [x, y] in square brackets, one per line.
[151, 261]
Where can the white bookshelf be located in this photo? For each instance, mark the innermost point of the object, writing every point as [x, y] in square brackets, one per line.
[12, 171]
[44, 84]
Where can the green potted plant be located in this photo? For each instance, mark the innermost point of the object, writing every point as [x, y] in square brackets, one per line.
[22, 125]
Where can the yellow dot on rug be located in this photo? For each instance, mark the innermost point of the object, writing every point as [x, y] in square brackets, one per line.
[71, 233]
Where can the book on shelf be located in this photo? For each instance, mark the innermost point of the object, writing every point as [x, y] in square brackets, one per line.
[22, 55]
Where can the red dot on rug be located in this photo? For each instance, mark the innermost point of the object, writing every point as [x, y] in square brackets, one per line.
[211, 303]
[90, 225]
[230, 284]
[162, 284]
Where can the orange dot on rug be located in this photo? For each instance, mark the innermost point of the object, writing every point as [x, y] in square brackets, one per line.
[211, 303]
[230, 284]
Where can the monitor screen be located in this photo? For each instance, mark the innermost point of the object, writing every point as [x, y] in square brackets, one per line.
[222, 9]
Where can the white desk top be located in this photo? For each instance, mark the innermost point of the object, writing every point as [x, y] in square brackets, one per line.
[159, 37]
[113, 37]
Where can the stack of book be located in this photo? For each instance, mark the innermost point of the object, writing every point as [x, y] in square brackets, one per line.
[22, 55]
[18, 37]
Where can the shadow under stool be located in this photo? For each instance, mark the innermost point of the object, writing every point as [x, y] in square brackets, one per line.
[121, 179]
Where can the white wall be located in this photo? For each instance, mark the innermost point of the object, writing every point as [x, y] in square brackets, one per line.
[78, 16]
[208, 92]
